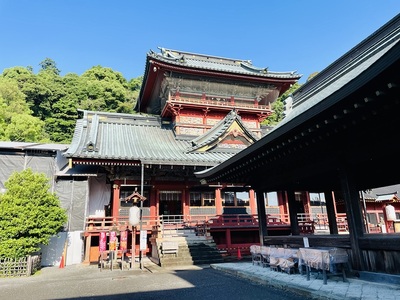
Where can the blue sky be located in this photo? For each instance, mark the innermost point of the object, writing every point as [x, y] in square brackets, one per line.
[287, 35]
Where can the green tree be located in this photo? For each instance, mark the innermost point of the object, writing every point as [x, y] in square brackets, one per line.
[60, 125]
[13, 98]
[49, 65]
[106, 89]
[278, 107]
[29, 214]
[54, 100]
[12, 102]
[26, 80]
[134, 86]
[25, 128]
[49, 90]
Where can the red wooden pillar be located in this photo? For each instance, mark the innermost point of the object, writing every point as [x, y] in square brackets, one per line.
[282, 203]
[218, 201]
[306, 204]
[153, 204]
[116, 194]
[157, 202]
[228, 238]
[253, 205]
[185, 202]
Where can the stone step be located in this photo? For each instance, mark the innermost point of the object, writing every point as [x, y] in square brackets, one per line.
[192, 249]
[186, 240]
[189, 261]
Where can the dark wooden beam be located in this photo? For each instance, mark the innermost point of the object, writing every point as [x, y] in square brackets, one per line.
[330, 207]
[262, 217]
[380, 242]
[354, 217]
[340, 241]
[294, 224]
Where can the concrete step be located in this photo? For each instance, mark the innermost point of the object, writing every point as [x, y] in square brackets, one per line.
[192, 250]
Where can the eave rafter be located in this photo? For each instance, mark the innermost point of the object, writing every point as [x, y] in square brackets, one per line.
[357, 111]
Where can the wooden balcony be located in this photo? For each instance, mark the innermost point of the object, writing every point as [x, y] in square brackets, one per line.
[198, 102]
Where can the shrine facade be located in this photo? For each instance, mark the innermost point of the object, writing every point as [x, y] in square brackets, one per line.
[193, 112]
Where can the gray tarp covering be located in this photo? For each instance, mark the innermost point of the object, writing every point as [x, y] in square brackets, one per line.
[9, 164]
[73, 195]
[41, 164]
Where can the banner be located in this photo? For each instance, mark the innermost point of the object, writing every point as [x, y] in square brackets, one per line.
[103, 241]
[113, 240]
[143, 239]
[124, 241]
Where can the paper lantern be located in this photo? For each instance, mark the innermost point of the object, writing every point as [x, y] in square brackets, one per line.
[134, 215]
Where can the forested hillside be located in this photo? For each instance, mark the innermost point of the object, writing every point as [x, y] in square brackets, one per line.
[43, 107]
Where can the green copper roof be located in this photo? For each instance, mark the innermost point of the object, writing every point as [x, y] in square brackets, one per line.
[113, 136]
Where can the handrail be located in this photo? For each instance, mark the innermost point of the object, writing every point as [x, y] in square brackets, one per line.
[218, 103]
[320, 221]
[94, 223]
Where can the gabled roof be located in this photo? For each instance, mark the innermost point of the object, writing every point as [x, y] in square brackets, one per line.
[385, 193]
[135, 138]
[216, 63]
[212, 137]
[387, 197]
[353, 102]
[167, 62]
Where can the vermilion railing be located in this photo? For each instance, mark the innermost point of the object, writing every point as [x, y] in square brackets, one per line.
[316, 221]
[198, 101]
[148, 222]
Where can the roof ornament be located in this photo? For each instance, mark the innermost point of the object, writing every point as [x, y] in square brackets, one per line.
[135, 197]
[90, 145]
[288, 105]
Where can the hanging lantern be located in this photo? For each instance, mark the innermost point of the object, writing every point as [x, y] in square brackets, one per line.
[134, 216]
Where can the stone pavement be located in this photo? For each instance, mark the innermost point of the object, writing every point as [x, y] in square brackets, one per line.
[334, 289]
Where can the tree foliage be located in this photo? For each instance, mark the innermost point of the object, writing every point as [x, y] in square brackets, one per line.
[25, 128]
[49, 65]
[278, 107]
[49, 102]
[29, 214]
[106, 89]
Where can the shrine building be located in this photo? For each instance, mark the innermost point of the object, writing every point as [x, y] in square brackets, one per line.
[194, 111]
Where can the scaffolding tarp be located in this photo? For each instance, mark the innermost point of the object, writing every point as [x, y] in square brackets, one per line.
[73, 195]
[100, 195]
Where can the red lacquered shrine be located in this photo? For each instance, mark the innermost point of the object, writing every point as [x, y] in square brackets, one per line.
[194, 112]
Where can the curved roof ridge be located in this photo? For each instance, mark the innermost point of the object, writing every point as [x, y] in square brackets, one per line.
[216, 63]
[183, 53]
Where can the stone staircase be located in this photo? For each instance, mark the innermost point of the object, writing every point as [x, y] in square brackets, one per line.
[193, 249]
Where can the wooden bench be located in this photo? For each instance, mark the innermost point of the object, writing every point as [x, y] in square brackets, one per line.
[169, 248]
